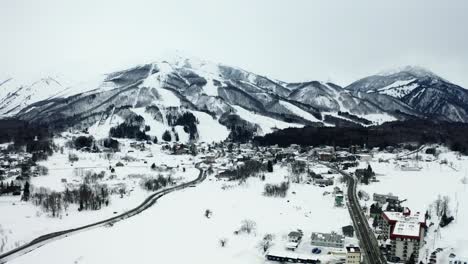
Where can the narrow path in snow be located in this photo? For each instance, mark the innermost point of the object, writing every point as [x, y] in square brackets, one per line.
[48, 238]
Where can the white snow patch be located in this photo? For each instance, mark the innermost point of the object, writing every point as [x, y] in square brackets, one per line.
[209, 129]
[267, 124]
[299, 112]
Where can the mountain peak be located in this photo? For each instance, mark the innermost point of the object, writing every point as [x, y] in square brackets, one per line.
[416, 71]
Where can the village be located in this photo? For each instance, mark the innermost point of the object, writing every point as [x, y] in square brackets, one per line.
[400, 230]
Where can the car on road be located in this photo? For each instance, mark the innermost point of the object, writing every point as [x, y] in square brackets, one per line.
[316, 251]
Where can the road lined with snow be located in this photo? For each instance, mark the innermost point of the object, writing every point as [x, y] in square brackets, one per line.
[372, 254]
[147, 203]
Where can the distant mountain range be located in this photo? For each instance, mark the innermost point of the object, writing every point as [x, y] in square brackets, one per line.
[224, 99]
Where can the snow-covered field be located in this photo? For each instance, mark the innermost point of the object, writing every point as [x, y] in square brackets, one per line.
[421, 188]
[22, 221]
[176, 230]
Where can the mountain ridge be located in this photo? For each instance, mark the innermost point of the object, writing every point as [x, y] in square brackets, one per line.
[180, 85]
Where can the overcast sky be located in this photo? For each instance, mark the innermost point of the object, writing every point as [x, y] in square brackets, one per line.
[291, 40]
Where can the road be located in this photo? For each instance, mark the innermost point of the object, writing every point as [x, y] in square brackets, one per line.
[147, 203]
[369, 245]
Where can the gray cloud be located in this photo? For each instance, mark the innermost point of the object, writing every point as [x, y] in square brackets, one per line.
[295, 40]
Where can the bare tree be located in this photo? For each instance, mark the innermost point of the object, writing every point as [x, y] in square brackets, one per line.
[445, 205]
[438, 205]
[266, 243]
[248, 226]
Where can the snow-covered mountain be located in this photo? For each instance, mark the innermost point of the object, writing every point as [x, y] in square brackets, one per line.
[422, 90]
[195, 99]
[15, 95]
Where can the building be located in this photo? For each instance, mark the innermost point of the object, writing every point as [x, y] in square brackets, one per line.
[385, 198]
[458, 260]
[288, 256]
[325, 156]
[327, 240]
[353, 255]
[324, 181]
[294, 239]
[405, 231]
[348, 230]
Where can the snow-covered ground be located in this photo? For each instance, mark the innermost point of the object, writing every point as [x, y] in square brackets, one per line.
[421, 188]
[22, 221]
[176, 230]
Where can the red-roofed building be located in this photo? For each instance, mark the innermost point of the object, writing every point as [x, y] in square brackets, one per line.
[405, 231]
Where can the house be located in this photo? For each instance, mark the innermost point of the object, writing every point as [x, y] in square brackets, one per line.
[294, 239]
[353, 255]
[327, 240]
[348, 230]
[325, 156]
[405, 231]
[324, 181]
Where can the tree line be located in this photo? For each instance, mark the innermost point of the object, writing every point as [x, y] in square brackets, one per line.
[86, 196]
[388, 134]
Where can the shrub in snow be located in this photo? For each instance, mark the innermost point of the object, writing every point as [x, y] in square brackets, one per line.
[153, 184]
[208, 213]
[276, 190]
[72, 157]
[42, 170]
[223, 242]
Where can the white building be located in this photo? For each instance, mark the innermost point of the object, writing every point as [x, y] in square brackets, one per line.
[353, 255]
[327, 240]
[405, 231]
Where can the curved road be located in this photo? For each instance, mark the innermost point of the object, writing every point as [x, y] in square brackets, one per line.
[148, 202]
[369, 245]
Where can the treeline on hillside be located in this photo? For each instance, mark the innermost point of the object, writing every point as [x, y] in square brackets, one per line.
[29, 136]
[126, 130]
[388, 134]
[187, 120]
[354, 118]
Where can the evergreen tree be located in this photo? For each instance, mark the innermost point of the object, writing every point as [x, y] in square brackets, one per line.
[167, 136]
[26, 192]
[270, 166]
[375, 223]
